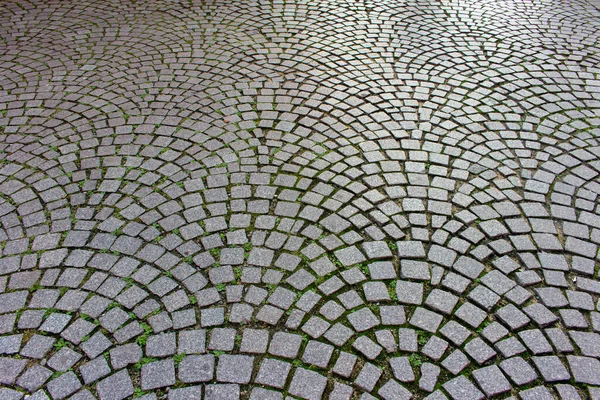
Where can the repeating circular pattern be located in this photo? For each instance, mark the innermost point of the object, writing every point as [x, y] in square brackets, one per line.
[299, 199]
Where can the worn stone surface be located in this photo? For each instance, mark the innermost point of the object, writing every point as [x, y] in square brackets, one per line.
[256, 199]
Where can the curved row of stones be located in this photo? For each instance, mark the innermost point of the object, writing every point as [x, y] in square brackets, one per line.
[299, 200]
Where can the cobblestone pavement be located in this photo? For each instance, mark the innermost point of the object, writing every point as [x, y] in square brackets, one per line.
[299, 199]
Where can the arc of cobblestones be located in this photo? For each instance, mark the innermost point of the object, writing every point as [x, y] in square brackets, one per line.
[268, 200]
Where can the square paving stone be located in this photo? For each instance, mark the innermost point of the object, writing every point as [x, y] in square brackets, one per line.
[222, 392]
[64, 385]
[376, 292]
[409, 292]
[55, 323]
[510, 347]
[456, 362]
[416, 270]
[392, 315]
[568, 392]
[512, 316]
[402, 369]
[585, 370]
[471, 314]
[518, 370]
[551, 368]
[435, 348]
[235, 369]
[535, 341]
[407, 340]
[491, 380]
[10, 344]
[78, 330]
[116, 387]
[441, 301]
[273, 372]
[158, 374]
[426, 320]
[410, 249]
[460, 388]
[392, 390]
[10, 368]
[63, 359]
[429, 376]
[94, 370]
[367, 347]
[363, 319]
[345, 364]
[536, 393]
[381, 270]
[188, 393]
[307, 384]
[254, 341]
[34, 377]
[350, 256]
[264, 394]
[192, 341]
[197, 368]
[317, 353]
[285, 345]
[338, 334]
[96, 345]
[12, 301]
[124, 355]
[479, 350]
[368, 377]
[37, 346]
[222, 339]
[160, 345]
[588, 342]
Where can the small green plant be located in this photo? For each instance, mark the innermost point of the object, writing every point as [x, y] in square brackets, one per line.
[143, 361]
[60, 344]
[237, 273]
[415, 360]
[392, 291]
[363, 268]
[422, 338]
[193, 299]
[220, 287]
[218, 353]
[57, 374]
[178, 358]
[141, 340]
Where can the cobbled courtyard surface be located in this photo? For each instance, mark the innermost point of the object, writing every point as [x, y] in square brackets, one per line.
[299, 199]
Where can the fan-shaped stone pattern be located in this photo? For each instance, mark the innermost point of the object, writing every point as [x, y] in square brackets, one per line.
[324, 200]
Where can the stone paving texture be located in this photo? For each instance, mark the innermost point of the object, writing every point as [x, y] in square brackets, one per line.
[298, 199]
